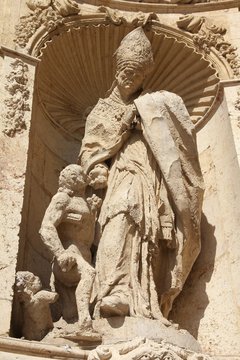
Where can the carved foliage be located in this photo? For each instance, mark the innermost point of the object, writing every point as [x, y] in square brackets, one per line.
[34, 4]
[49, 13]
[237, 102]
[190, 23]
[207, 36]
[144, 349]
[135, 19]
[17, 102]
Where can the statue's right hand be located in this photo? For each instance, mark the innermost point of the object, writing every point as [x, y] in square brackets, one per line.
[66, 261]
[129, 116]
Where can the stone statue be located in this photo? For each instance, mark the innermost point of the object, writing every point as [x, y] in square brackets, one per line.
[68, 232]
[37, 319]
[149, 222]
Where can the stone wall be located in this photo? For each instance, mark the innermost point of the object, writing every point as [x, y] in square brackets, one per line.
[30, 162]
[210, 295]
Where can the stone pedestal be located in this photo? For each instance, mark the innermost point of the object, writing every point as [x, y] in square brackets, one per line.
[119, 329]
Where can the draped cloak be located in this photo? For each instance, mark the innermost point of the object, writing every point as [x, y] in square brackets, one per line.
[169, 137]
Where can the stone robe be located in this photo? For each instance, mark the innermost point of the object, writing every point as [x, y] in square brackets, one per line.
[150, 217]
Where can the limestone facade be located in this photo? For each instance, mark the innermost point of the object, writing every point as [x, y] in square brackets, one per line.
[55, 63]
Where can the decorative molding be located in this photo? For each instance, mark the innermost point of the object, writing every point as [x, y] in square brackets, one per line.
[163, 8]
[42, 350]
[237, 101]
[190, 23]
[17, 102]
[63, 7]
[32, 60]
[50, 14]
[183, 2]
[136, 349]
[30, 23]
[117, 17]
[230, 82]
[207, 36]
[144, 349]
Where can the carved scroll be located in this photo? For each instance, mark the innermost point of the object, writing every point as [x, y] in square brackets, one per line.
[144, 349]
[208, 35]
[136, 19]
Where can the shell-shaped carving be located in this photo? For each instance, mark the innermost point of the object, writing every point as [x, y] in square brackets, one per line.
[77, 68]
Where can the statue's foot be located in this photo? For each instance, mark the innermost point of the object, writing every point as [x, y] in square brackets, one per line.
[114, 306]
[83, 335]
[88, 335]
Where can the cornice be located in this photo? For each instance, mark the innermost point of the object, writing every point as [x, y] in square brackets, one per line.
[34, 348]
[166, 8]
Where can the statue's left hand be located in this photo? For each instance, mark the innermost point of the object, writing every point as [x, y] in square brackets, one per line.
[98, 176]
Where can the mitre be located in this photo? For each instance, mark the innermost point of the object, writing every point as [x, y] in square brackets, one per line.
[135, 48]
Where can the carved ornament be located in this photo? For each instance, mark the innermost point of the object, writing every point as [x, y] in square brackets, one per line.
[17, 101]
[167, 6]
[144, 349]
[49, 13]
[237, 101]
[136, 19]
[207, 36]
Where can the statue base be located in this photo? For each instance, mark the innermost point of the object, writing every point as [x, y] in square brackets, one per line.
[128, 338]
[120, 329]
[115, 330]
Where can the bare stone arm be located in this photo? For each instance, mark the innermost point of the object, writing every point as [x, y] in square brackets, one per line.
[46, 296]
[51, 220]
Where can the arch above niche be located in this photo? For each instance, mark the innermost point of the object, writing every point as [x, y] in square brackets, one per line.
[168, 6]
[76, 69]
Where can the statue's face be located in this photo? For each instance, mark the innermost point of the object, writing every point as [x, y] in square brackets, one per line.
[36, 285]
[80, 182]
[77, 181]
[130, 79]
[72, 178]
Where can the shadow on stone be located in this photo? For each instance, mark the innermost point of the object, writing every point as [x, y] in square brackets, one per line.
[190, 306]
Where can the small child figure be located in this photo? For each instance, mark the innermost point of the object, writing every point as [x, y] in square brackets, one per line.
[36, 312]
[68, 229]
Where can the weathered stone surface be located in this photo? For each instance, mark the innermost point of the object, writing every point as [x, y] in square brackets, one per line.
[37, 319]
[68, 232]
[214, 280]
[30, 169]
[117, 330]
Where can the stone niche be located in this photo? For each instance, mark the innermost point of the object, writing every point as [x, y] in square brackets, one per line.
[75, 69]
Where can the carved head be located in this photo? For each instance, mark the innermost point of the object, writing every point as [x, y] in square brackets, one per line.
[136, 49]
[134, 60]
[130, 78]
[72, 179]
[26, 284]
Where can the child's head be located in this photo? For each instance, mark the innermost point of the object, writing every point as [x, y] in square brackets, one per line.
[26, 282]
[72, 178]
[98, 176]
